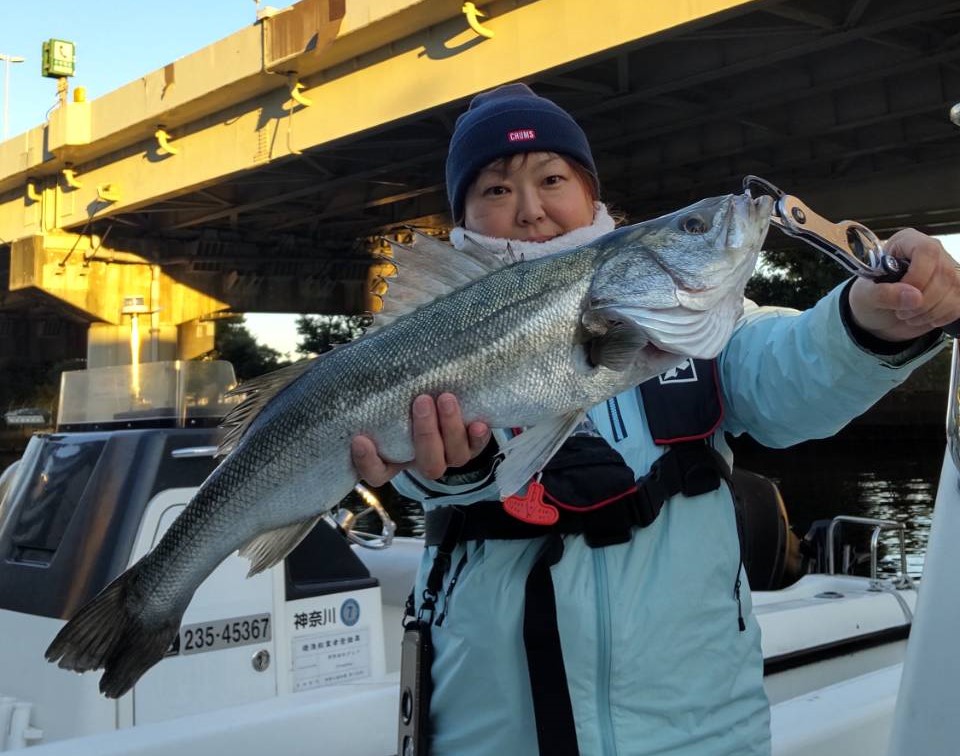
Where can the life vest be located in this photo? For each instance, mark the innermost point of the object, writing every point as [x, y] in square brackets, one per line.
[588, 488]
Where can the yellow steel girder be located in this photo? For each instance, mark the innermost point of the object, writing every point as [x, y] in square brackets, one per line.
[399, 68]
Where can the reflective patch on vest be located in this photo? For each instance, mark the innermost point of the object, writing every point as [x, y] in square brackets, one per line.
[685, 372]
[617, 426]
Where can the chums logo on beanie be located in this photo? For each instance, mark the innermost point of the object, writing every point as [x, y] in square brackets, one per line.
[521, 135]
[507, 121]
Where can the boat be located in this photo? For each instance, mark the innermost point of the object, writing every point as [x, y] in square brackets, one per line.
[305, 657]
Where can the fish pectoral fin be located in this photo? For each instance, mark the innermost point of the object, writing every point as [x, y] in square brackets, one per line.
[268, 548]
[618, 347]
[526, 454]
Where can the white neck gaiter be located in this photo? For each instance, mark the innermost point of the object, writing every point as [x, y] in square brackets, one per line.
[514, 250]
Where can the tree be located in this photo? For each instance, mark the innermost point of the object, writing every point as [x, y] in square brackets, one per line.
[794, 278]
[234, 343]
[320, 333]
[34, 384]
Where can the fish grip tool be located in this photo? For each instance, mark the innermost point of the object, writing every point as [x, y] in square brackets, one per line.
[849, 243]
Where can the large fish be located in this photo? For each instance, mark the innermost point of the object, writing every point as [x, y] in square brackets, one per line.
[533, 343]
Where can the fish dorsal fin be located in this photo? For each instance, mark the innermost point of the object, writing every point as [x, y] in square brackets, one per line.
[257, 392]
[525, 455]
[426, 270]
[268, 548]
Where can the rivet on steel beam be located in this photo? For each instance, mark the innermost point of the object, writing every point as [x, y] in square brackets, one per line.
[70, 176]
[32, 194]
[108, 192]
[473, 15]
[163, 142]
[295, 92]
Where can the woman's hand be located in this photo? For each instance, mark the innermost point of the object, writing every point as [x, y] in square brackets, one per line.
[441, 439]
[927, 297]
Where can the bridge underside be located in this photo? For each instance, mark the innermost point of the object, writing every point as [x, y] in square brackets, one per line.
[842, 103]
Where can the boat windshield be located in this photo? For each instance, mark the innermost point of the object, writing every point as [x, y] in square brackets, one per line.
[175, 394]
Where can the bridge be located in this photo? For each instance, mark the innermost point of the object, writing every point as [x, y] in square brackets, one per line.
[258, 174]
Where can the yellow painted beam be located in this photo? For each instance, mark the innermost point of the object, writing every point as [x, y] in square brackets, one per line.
[231, 70]
[419, 69]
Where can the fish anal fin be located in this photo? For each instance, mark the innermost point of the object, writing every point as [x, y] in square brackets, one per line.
[526, 454]
[267, 549]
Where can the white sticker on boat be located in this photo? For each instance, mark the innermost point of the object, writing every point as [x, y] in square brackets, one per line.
[331, 658]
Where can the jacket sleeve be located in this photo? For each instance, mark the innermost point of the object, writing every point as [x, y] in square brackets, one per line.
[473, 484]
[791, 376]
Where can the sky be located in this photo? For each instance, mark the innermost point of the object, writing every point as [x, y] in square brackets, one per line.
[118, 41]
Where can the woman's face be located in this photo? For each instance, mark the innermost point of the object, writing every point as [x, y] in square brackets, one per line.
[529, 197]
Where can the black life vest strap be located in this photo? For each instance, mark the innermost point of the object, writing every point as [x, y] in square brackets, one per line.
[552, 707]
[691, 469]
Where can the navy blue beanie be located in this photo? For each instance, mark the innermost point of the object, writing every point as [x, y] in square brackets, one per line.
[507, 121]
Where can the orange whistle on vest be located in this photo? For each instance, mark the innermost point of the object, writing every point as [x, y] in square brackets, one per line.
[531, 507]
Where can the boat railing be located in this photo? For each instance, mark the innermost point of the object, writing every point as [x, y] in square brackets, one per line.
[877, 526]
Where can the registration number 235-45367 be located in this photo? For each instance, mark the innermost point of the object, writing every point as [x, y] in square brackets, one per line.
[227, 633]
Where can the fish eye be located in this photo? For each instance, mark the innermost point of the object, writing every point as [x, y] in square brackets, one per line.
[693, 224]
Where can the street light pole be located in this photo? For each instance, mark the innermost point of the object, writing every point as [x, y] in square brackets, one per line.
[7, 60]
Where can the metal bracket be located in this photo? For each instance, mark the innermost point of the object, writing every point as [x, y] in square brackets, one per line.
[32, 194]
[108, 192]
[296, 87]
[163, 142]
[473, 15]
[70, 176]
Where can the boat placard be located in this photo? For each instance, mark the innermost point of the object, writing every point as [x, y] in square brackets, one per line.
[225, 633]
[331, 658]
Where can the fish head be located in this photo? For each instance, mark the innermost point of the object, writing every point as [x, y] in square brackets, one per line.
[676, 282]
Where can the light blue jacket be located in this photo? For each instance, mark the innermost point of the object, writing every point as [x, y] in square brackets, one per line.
[655, 660]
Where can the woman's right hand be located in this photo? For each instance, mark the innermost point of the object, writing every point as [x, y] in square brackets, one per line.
[441, 439]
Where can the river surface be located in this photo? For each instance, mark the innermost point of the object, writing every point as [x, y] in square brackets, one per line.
[883, 476]
[879, 476]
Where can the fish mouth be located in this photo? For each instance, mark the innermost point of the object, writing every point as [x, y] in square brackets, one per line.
[741, 215]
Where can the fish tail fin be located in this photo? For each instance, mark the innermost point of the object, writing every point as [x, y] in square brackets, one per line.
[111, 633]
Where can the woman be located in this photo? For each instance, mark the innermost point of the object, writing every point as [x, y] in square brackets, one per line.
[639, 642]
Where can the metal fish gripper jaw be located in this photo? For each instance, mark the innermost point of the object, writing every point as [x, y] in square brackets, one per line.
[849, 243]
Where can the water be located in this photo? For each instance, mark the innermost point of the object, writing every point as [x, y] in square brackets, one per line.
[890, 476]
